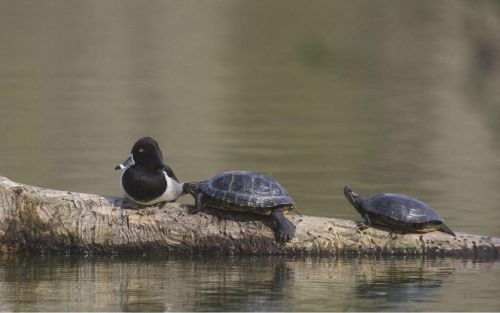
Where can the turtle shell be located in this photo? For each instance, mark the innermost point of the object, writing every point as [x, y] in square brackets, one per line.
[396, 208]
[246, 190]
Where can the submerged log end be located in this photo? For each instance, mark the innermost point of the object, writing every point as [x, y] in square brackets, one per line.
[37, 219]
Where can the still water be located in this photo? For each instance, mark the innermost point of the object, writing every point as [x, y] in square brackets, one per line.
[247, 284]
[400, 97]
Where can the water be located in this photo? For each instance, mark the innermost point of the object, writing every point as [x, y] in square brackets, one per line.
[400, 97]
[247, 284]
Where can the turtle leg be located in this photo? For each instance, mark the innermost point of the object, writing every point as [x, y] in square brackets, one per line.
[364, 225]
[198, 203]
[367, 219]
[285, 230]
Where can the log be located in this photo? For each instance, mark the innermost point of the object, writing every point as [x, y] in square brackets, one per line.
[44, 220]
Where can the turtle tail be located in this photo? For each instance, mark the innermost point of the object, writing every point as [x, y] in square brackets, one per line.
[446, 229]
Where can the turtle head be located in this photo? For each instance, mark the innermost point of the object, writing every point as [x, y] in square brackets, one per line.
[191, 187]
[353, 197]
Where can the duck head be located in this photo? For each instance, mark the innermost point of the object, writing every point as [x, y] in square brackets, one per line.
[146, 153]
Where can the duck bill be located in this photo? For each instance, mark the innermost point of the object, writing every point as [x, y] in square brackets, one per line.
[128, 163]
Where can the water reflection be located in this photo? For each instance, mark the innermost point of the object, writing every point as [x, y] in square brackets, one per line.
[401, 281]
[53, 283]
[252, 284]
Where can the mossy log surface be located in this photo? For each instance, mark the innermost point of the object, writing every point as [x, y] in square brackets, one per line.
[37, 219]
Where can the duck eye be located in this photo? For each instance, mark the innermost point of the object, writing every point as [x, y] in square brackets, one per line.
[141, 150]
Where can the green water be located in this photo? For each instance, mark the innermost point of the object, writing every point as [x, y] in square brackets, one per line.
[389, 96]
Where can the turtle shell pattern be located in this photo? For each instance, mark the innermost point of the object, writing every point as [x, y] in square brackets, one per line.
[246, 191]
[400, 208]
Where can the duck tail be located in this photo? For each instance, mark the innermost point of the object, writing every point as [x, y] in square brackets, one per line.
[446, 229]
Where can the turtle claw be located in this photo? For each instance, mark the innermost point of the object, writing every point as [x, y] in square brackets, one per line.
[283, 235]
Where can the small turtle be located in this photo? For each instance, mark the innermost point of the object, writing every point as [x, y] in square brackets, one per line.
[397, 211]
[247, 192]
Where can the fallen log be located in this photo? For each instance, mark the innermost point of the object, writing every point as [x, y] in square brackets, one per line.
[38, 219]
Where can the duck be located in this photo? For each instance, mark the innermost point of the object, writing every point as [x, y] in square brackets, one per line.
[145, 179]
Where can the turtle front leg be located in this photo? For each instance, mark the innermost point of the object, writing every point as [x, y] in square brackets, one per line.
[285, 230]
[367, 219]
[364, 225]
[198, 203]
[360, 226]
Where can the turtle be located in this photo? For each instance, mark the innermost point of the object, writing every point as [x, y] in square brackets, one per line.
[397, 212]
[247, 192]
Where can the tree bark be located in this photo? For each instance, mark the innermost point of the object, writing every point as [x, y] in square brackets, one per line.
[37, 219]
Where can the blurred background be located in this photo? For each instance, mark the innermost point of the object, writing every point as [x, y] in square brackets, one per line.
[388, 96]
[384, 96]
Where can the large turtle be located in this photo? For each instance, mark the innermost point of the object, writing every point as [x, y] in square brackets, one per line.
[248, 192]
[398, 212]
